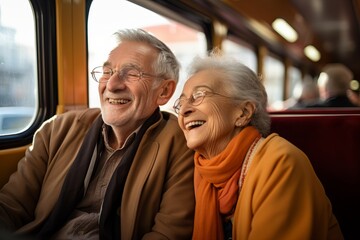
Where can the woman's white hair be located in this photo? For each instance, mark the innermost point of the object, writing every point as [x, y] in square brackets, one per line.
[242, 84]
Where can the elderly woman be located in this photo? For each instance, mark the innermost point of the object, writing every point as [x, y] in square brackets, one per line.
[248, 184]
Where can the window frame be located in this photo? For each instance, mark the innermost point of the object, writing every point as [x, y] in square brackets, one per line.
[45, 32]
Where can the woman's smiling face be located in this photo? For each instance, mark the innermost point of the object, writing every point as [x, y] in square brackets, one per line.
[209, 126]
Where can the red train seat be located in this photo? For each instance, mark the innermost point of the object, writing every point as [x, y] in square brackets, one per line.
[331, 140]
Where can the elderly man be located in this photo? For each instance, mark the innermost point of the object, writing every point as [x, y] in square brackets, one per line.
[120, 173]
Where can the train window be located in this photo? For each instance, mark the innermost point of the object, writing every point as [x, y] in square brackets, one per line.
[184, 41]
[242, 52]
[273, 80]
[18, 67]
[293, 91]
[294, 75]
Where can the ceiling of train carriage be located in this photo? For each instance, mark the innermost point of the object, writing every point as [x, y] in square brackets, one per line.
[332, 26]
[335, 25]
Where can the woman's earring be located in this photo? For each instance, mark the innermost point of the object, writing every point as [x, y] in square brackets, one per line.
[238, 124]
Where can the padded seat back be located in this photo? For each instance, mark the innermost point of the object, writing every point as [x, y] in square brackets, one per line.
[331, 140]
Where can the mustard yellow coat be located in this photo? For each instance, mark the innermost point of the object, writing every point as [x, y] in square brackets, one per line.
[282, 198]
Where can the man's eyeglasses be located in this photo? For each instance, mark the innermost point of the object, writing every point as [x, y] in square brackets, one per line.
[102, 74]
[195, 99]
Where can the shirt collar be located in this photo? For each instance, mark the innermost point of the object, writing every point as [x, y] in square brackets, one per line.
[130, 139]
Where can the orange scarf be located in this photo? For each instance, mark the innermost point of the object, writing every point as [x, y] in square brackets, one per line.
[216, 185]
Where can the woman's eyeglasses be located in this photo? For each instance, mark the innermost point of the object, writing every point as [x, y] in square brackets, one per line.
[195, 99]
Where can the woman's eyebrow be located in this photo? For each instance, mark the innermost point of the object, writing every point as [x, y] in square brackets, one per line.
[182, 95]
[198, 88]
[201, 87]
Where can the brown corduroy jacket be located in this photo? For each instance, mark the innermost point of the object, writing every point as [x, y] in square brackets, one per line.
[158, 199]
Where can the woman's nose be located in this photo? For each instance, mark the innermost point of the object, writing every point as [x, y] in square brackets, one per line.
[186, 108]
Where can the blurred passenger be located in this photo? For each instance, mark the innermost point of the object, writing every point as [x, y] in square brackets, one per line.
[333, 84]
[354, 92]
[119, 172]
[309, 94]
[248, 184]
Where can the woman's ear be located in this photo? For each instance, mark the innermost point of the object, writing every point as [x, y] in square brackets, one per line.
[167, 89]
[245, 114]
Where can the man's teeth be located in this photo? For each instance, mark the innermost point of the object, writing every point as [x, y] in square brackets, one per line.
[118, 101]
[193, 124]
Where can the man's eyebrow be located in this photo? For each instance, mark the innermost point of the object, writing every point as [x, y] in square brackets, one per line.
[107, 63]
[132, 65]
[126, 65]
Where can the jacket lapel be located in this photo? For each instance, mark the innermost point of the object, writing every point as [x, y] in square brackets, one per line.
[75, 182]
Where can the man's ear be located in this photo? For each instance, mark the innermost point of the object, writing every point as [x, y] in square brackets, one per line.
[167, 89]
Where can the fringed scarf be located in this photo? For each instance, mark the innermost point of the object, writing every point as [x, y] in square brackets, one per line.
[216, 185]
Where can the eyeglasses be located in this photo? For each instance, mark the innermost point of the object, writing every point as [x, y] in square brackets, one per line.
[195, 99]
[102, 74]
